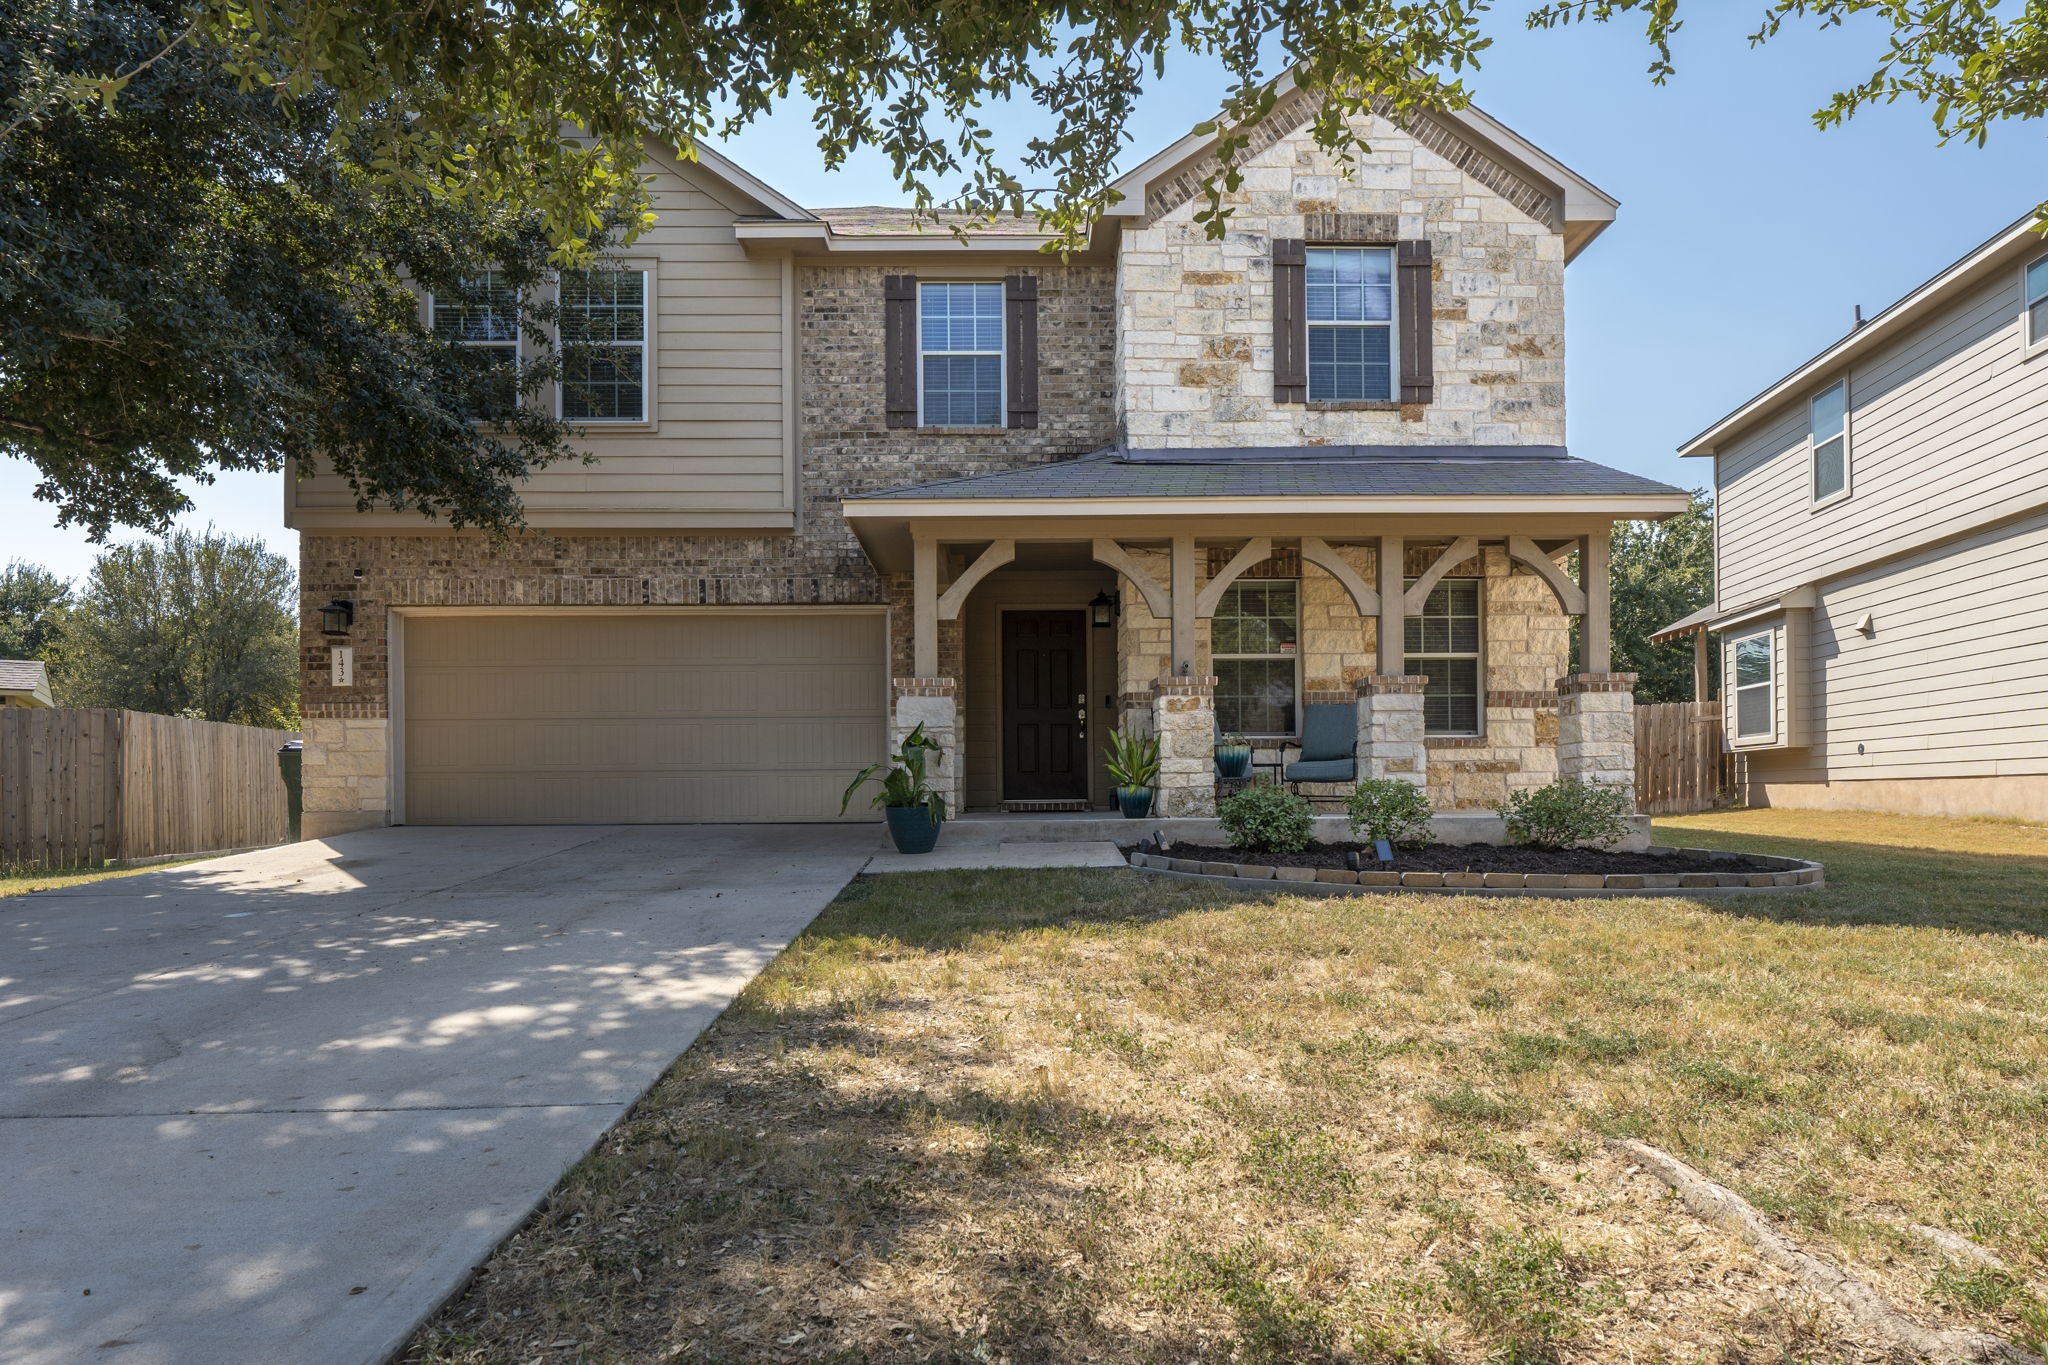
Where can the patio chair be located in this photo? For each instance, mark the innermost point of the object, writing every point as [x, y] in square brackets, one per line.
[1329, 745]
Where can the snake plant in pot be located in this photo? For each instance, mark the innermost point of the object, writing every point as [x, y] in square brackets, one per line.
[913, 810]
[1134, 767]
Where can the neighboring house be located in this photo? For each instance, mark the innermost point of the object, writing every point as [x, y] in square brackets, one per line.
[856, 474]
[25, 682]
[1881, 554]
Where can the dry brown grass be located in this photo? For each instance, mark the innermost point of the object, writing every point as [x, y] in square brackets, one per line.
[1072, 1116]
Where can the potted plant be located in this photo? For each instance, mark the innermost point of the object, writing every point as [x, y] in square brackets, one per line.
[1134, 767]
[913, 810]
[1233, 756]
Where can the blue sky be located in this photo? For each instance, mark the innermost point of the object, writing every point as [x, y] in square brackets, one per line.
[1745, 237]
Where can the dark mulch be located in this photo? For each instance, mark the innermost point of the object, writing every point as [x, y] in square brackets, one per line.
[1472, 858]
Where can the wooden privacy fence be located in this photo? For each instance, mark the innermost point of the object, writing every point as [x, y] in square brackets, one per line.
[1679, 763]
[82, 787]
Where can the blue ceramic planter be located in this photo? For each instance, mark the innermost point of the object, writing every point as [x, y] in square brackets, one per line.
[912, 828]
[1134, 802]
[1234, 760]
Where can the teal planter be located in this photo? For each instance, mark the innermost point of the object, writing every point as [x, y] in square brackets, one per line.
[912, 828]
[1234, 760]
[1134, 802]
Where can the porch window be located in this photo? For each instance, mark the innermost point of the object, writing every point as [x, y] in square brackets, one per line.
[960, 354]
[604, 316]
[1756, 714]
[1254, 645]
[2037, 302]
[483, 325]
[1350, 304]
[1443, 643]
[1830, 412]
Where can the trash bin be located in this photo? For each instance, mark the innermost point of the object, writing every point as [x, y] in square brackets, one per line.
[289, 757]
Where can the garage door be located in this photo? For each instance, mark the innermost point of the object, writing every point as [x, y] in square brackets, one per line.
[515, 720]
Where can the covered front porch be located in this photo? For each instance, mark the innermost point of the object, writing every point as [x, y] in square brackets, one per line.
[1458, 642]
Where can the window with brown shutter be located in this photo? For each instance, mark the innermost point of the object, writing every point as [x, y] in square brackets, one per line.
[899, 349]
[1415, 311]
[1290, 320]
[1020, 348]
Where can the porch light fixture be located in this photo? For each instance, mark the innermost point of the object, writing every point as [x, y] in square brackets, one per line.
[1102, 609]
[336, 617]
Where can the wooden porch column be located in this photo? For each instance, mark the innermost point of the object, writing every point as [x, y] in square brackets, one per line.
[1393, 627]
[924, 618]
[1183, 605]
[1594, 639]
[1699, 664]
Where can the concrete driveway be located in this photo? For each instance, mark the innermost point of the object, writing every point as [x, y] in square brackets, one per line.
[272, 1107]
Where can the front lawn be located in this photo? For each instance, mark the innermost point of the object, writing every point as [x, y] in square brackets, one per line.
[1079, 1115]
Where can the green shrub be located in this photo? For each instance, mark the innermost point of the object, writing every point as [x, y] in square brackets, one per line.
[1567, 813]
[1267, 818]
[1388, 808]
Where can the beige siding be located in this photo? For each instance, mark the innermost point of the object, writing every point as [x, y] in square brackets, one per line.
[1951, 682]
[1945, 433]
[718, 452]
[604, 719]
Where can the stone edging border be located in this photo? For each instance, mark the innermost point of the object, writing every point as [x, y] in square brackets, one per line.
[1784, 874]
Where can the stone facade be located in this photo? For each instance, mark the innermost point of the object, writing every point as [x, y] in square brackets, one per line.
[932, 703]
[1390, 729]
[1596, 739]
[1195, 345]
[1184, 719]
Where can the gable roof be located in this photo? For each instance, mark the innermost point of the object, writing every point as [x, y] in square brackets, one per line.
[2007, 247]
[26, 678]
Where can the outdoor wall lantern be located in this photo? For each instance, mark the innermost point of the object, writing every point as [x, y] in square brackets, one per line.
[336, 617]
[1102, 609]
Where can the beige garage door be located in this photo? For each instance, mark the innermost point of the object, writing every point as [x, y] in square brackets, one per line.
[522, 720]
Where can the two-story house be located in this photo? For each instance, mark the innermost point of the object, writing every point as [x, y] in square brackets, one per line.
[1881, 554]
[852, 474]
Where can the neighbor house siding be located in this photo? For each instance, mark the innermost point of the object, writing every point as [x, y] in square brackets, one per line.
[719, 449]
[1945, 433]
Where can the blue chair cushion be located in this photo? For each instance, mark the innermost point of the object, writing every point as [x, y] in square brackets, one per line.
[1323, 770]
[1329, 730]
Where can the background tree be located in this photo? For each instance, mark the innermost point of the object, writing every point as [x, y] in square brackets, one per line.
[33, 602]
[1660, 571]
[198, 624]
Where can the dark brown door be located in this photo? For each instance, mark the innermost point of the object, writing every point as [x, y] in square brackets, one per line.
[1045, 705]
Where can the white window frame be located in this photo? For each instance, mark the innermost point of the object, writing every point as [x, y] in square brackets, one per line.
[1392, 325]
[1001, 353]
[1769, 685]
[2029, 343]
[646, 353]
[1814, 442]
[517, 343]
[1275, 655]
[1477, 655]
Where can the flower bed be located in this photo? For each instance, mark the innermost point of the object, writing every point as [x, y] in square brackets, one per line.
[1482, 868]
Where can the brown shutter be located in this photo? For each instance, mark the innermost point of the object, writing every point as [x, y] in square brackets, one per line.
[1418, 325]
[899, 348]
[1020, 348]
[1290, 320]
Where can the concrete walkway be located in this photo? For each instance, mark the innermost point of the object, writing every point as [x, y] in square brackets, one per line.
[273, 1107]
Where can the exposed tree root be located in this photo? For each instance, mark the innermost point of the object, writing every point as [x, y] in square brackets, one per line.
[1723, 1208]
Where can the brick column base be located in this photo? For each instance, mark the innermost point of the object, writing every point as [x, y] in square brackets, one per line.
[1596, 730]
[1390, 728]
[931, 702]
[1184, 719]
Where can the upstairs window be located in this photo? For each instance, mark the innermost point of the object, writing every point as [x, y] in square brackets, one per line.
[960, 354]
[604, 335]
[1349, 296]
[483, 324]
[2037, 302]
[1443, 644]
[1756, 713]
[1830, 444]
[1254, 641]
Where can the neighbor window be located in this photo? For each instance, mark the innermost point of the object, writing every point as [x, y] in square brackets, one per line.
[1350, 303]
[604, 338]
[1443, 644]
[483, 323]
[1830, 412]
[1254, 639]
[1755, 713]
[2037, 302]
[960, 354]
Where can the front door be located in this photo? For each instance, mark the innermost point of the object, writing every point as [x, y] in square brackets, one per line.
[1045, 706]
